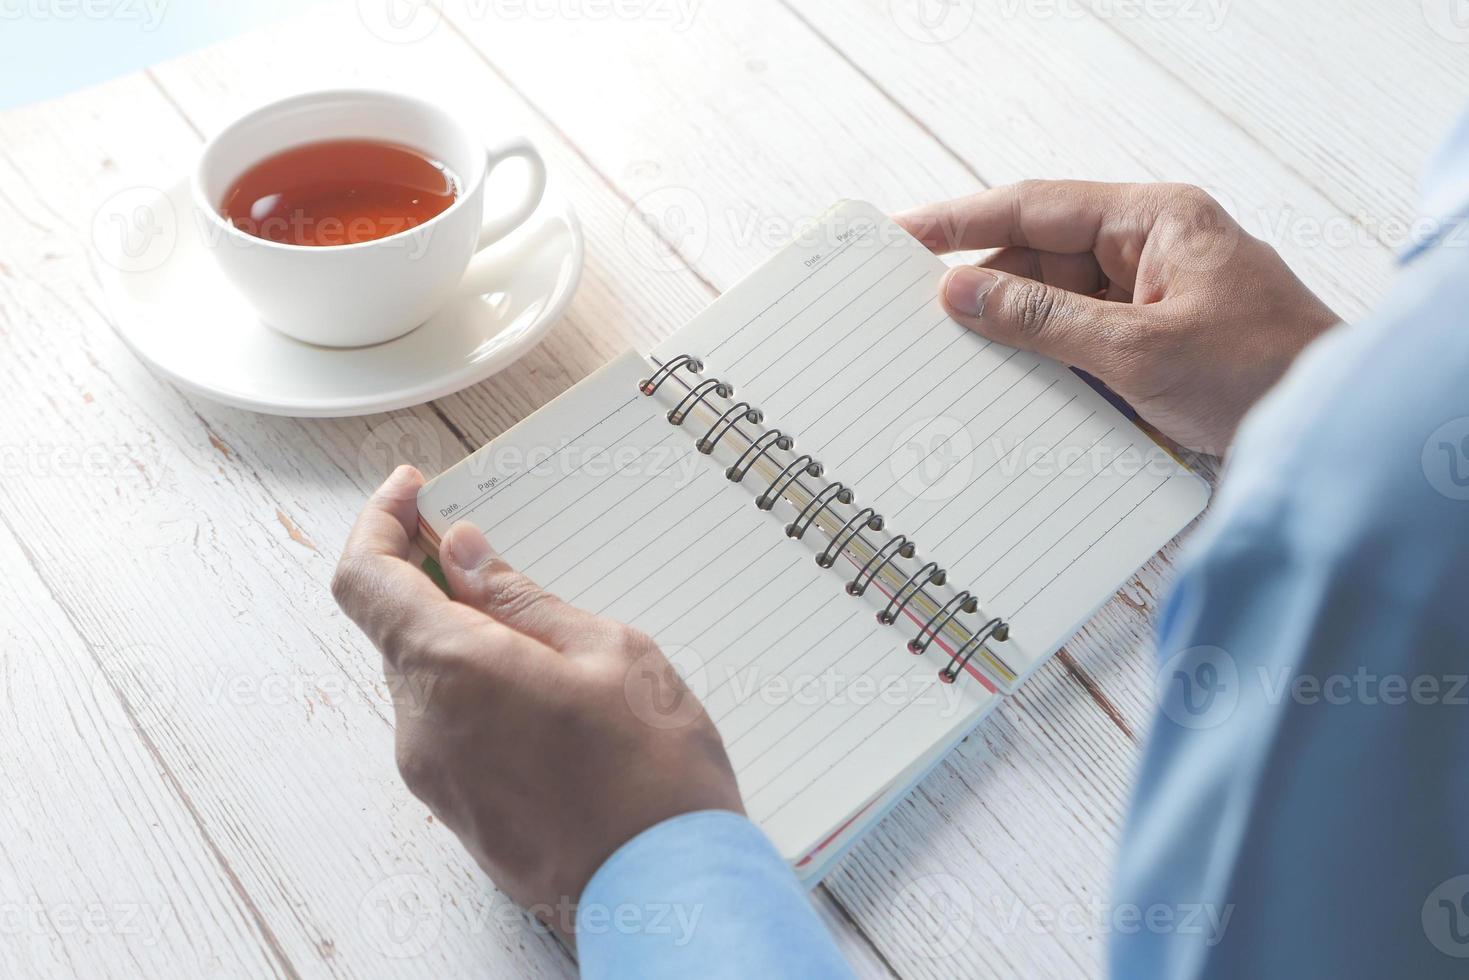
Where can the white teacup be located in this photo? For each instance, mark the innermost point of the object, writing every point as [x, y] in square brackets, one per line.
[368, 292]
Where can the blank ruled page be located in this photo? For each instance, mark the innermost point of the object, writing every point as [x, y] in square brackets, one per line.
[1027, 485]
[605, 503]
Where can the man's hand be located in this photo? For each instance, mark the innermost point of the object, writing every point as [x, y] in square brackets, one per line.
[543, 736]
[1152, 288]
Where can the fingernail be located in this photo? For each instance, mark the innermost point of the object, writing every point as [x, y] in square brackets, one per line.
[966, 288]
[467, 547]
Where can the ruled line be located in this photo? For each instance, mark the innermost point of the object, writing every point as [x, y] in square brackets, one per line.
[495, 491]
[825, 263]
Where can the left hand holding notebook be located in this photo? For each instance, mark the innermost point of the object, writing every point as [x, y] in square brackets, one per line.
[514, 720]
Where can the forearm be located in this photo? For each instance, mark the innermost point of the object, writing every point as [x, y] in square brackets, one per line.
[704, 894]
[1300, 779]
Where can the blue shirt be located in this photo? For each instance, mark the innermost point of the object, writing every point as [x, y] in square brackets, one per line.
[1303, 804]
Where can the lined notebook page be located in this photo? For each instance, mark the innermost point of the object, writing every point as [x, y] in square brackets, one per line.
[601, 500]
[1032, 490]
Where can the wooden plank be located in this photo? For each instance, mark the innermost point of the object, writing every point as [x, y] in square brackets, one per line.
[1021, 97]
[725, 134]
[1354, 96]
[193, 559]
[742, 122]
[104, 870]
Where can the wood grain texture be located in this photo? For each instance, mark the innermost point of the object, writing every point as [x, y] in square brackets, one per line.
[1351, 96]
[191, 546]
[202, 744]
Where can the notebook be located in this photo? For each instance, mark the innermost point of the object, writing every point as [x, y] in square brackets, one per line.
[852, 524]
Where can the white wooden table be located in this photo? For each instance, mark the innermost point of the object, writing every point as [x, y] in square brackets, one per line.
[198, 775]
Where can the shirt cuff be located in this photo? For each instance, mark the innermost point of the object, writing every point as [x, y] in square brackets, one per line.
[701, 894]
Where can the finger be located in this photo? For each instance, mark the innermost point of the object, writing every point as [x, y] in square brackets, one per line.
[1077, 272]
[1055, 215]
[388, 523]
[1108, 220]
[479, 577]
[393, 602]
[1092, 334]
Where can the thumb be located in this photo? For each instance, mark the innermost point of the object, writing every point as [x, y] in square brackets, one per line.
[479, 577]
[1019, 312]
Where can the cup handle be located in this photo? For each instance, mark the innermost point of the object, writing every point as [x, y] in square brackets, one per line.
[497, 227]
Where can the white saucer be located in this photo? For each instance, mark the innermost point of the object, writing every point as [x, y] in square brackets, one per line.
[174, 307]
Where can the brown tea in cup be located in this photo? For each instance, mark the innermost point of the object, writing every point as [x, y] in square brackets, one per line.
[338, 192]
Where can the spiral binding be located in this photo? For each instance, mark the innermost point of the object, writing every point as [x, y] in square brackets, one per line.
[930, 574]
[904, 549]
[731, 415]
[760, 446]
[996, 628]
[866, 517]
[696, 396]
[964, 600]
[831, 493]
[651, 385]
[804, 463]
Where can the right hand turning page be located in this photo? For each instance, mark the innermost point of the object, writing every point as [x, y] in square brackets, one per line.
[1025, 484]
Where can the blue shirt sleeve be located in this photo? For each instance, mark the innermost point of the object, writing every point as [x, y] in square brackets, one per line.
[1302, 809]
[701, 895]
